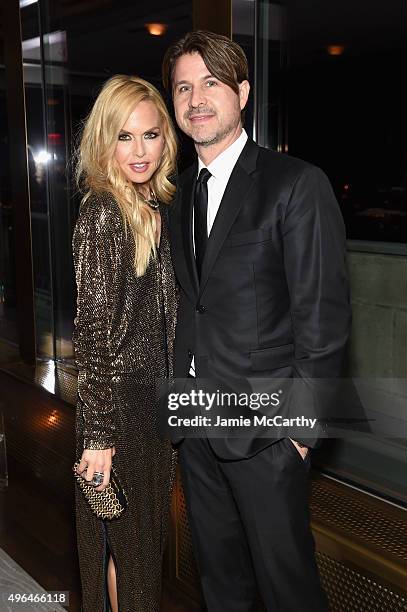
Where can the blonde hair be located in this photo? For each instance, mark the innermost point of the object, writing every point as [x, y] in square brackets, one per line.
[97, 170]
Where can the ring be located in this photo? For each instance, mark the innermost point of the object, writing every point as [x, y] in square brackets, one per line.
[97, 479]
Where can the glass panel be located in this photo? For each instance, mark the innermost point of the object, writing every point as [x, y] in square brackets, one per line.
[342, 86]
[8, 314]
[243, 29]
[346, 107]
[272, 60]
[38, 161]
[60, 205]
[339, 102]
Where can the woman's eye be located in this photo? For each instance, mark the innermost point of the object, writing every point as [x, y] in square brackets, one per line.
[183, 88]
[211, 83]
[124, 137]
[150, 135]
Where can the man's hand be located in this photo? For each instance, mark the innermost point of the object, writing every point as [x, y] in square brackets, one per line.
[303, 450]
[96, 461]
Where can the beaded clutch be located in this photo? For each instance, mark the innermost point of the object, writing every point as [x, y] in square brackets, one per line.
[106, 504]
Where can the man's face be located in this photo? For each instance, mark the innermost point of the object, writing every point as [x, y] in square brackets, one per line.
[205, 108]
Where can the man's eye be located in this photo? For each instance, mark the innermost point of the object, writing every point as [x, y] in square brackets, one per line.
[211, 83]
[150, 135]
[183, 88]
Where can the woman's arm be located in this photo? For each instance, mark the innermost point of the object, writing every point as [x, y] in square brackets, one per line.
[96, 249]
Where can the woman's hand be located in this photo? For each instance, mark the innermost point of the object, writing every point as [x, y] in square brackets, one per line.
[96, 461]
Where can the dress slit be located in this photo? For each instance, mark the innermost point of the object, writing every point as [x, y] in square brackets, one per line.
[109, 553]
[106, 550]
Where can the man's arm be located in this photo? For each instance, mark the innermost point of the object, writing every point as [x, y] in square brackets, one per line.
[314, 260]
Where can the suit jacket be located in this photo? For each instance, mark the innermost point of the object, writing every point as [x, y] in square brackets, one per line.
[273, 299]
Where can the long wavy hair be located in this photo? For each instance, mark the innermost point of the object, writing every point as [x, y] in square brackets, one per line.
[97, 170]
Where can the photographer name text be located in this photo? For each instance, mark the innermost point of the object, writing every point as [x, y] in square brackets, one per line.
[256, 420]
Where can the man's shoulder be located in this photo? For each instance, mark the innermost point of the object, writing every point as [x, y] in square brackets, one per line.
[285, 171]
[269, 162]
[269, 158]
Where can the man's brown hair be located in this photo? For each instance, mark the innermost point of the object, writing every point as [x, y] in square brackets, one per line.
[224, 58]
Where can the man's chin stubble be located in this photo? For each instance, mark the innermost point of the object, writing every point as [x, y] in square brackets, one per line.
[209, 141]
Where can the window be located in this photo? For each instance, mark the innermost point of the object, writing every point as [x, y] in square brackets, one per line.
[329, 89]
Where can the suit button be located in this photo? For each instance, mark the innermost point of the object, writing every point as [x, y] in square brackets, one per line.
[200, 308]
[190, 353]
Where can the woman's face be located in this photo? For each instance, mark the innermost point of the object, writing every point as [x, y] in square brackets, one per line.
[140, 143]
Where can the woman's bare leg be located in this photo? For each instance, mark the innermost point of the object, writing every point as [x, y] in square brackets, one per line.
[112, 585]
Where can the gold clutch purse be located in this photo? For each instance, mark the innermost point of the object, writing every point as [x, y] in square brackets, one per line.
[107, 504]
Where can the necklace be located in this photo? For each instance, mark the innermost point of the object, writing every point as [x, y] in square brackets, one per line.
[152, 201]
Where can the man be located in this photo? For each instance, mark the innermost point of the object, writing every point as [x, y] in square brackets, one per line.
[259, 252]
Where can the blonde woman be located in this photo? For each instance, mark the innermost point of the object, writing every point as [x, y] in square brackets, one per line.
[123, 340]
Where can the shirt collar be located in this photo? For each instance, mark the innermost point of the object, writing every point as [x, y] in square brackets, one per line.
[223, 164]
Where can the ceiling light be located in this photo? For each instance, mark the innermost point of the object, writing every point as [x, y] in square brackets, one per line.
[335, 49]
[156, 29]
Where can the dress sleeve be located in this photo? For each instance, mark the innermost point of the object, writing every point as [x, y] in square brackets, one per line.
[96, 250]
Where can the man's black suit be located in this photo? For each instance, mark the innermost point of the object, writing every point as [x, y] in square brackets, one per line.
[272, 301]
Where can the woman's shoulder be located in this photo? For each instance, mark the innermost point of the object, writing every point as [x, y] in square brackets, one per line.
[100, 210]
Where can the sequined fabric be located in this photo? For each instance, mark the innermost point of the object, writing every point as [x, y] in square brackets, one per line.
[123, 328]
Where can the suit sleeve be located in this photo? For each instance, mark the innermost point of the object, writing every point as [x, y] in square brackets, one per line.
[96, 252]
[315, 268]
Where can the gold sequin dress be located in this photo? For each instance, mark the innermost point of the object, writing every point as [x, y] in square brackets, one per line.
[123, 341]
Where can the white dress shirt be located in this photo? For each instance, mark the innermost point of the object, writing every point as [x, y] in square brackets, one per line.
[220, 168]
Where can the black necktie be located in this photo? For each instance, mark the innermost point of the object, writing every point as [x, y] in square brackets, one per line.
[200, 217]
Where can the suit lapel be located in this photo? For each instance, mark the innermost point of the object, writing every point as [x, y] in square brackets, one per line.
[236, 193]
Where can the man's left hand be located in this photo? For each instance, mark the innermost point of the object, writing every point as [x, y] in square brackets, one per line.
[303, 450]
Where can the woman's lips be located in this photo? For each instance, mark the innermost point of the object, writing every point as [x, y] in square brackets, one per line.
[139, 167]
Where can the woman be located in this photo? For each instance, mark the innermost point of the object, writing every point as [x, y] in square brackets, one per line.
[123, 340]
